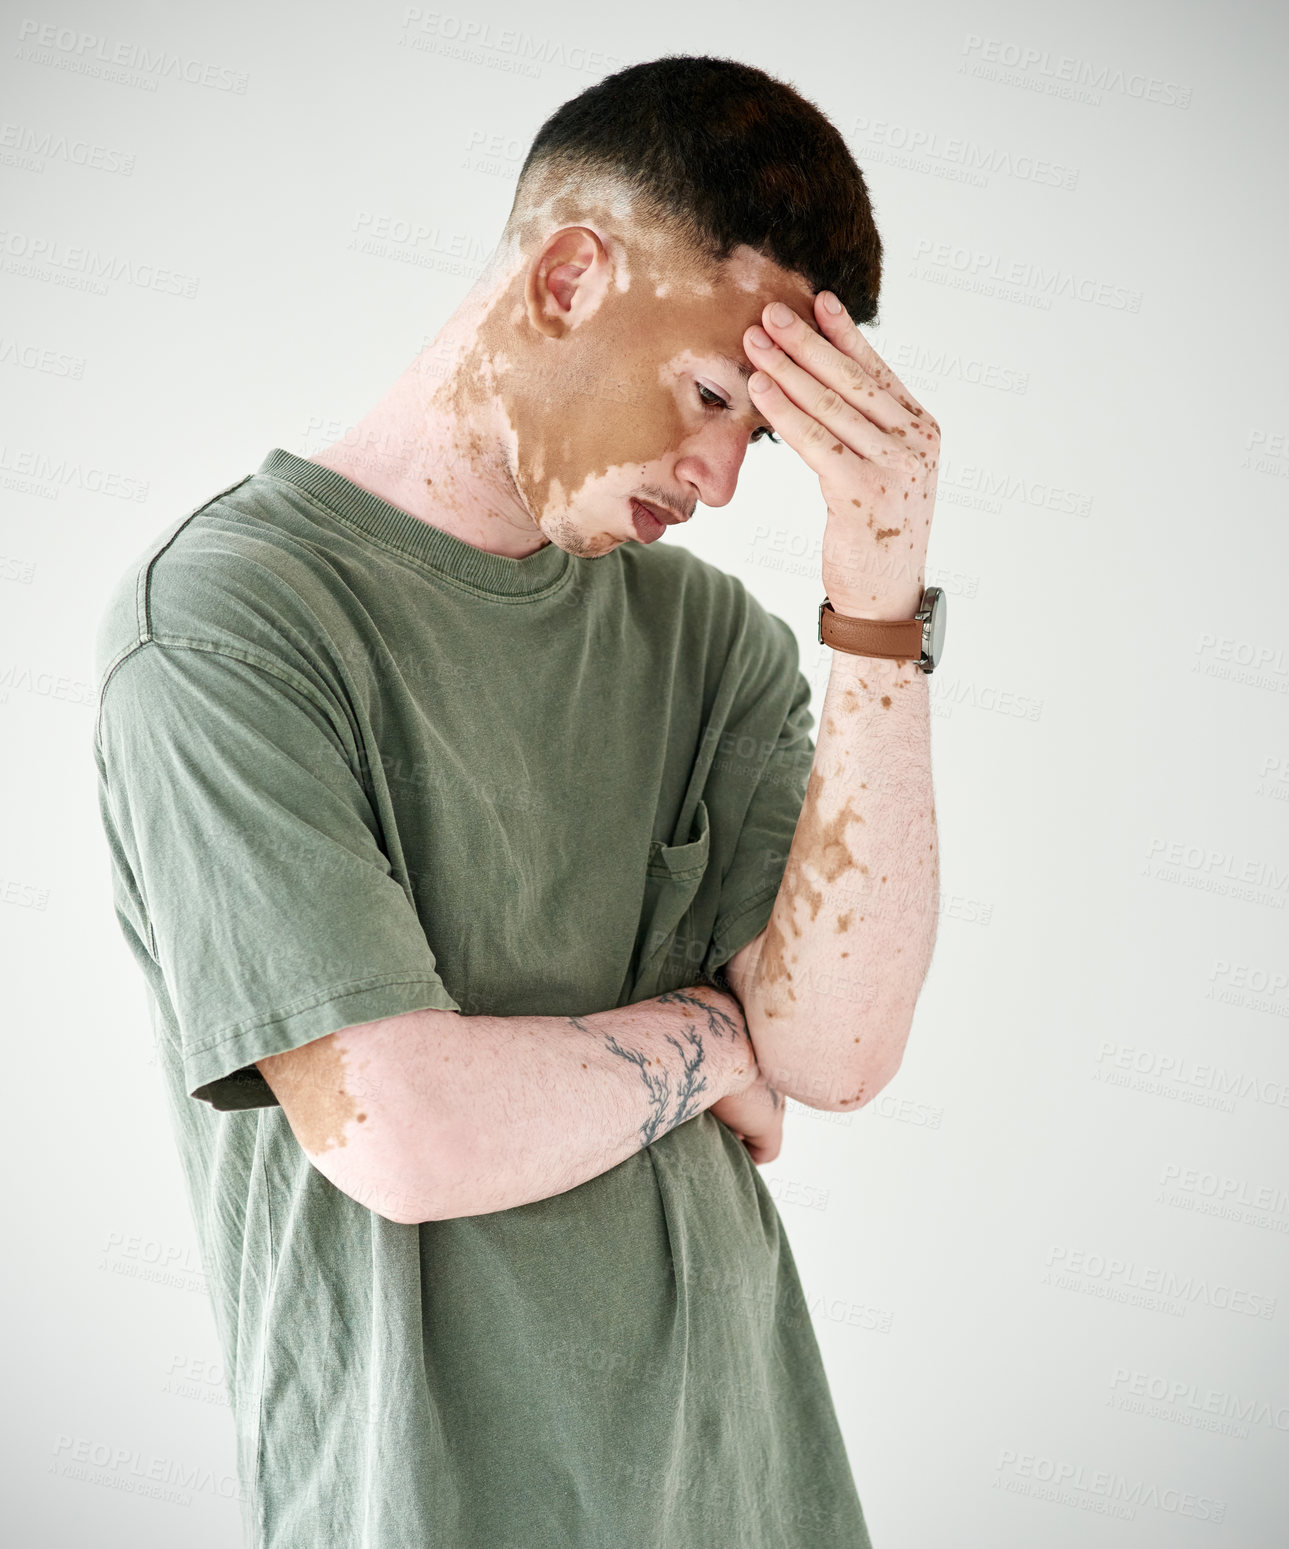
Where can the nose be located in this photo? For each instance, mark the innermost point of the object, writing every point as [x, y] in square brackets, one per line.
[711, 459]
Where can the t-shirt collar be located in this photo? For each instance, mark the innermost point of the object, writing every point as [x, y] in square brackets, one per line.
[398, 529]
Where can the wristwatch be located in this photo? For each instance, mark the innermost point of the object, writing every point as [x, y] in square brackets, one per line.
[919, 639]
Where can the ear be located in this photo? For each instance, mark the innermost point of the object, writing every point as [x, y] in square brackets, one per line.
[567, 280]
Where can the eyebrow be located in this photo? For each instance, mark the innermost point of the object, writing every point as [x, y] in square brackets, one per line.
[741, 366]
[744, 371]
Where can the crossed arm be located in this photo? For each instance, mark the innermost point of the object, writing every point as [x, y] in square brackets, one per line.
[830, 986]
[420, 1121]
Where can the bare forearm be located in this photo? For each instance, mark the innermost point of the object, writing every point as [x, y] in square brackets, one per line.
[529, 1107]
[831, 998]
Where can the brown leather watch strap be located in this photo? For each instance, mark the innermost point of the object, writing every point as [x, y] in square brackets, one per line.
[898, 638]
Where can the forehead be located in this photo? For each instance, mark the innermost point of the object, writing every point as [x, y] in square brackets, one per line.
[740, 293]
[721, 303]
[753, 274]
[745, 283]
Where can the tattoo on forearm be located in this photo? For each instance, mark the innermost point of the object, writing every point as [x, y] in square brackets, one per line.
[668, 1109]
[657, 1080]
[719, 1022]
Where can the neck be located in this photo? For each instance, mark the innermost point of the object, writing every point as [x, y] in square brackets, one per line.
[436, 443]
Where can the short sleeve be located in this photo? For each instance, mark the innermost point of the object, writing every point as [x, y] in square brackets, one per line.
[235, 818]
[783, 750]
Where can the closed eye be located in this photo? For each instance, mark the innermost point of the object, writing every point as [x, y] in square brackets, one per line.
[715, 401]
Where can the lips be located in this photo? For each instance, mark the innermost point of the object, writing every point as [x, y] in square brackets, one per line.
[659, 513]
[649, 528]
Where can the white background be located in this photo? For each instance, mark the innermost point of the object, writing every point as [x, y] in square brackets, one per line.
[1036, 1263]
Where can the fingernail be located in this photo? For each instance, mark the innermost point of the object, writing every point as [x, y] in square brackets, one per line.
[780, 314]
[758, 382]
[831, 304]
[760, 338]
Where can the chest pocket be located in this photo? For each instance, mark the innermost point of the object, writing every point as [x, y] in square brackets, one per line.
[672, 878]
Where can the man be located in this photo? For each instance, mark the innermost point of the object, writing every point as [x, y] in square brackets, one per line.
[489, 889]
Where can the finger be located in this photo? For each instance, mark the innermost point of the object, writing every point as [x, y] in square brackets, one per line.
[829, 363]
[917, 429]
[816, 399]
[844, 333]
[811, 439]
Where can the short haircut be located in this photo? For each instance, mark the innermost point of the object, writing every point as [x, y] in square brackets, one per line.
[716, 153]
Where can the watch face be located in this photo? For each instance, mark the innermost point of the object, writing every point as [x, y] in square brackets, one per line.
[939, 609]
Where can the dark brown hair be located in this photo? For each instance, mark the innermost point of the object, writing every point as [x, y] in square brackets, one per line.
[720, 153]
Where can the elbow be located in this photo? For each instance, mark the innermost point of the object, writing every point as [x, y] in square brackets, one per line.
[400, 1205]
[840, 1081]
[437, 1182]
[429, 1186]
[406, 1191]
[383, 1196]
[856, 1091]
[380, 1133]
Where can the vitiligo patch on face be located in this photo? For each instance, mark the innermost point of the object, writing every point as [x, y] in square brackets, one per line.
[663, 311]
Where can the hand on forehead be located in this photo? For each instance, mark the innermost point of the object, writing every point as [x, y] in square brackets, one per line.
[752, 289]
[785, 291]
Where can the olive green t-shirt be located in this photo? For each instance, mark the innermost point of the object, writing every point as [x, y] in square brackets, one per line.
[351, 766]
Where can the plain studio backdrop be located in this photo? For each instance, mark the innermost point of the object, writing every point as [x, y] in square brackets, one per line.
[1047, 1266]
